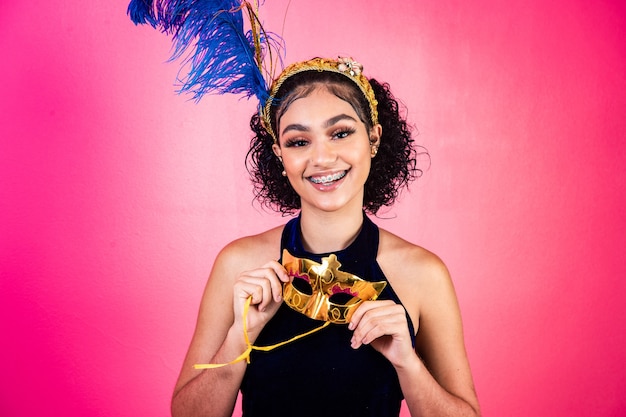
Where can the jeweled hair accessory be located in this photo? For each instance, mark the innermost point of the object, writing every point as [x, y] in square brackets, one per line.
[343, 65]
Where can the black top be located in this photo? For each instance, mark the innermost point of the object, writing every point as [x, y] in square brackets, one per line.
[321, 375]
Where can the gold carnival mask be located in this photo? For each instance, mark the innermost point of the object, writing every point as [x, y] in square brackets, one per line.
[319, 291]
[323, 292]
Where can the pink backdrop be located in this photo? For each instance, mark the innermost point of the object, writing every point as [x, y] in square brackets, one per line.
[115, 193]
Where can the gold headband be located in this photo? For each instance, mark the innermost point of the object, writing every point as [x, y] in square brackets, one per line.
[346, 66]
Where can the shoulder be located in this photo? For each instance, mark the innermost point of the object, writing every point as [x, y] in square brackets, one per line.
[400, 255]
[241, 255]
[251, 251]
[417, 275]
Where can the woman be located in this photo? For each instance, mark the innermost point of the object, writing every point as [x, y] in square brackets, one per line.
[330, 146]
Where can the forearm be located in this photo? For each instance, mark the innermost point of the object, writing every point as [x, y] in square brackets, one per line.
[425, 397]
[213, 392]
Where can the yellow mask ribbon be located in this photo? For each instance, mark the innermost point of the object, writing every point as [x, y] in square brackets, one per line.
[325, 280]
[250, 347]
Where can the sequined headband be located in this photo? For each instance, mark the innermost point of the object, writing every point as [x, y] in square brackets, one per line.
[342, 65]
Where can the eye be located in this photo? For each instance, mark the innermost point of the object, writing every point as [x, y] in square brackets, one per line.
[296, 143]
[343, 133]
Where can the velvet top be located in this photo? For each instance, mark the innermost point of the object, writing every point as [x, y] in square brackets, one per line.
[321, 374]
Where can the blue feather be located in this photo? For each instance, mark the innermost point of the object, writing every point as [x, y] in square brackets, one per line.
[218, 56]
[140, 12]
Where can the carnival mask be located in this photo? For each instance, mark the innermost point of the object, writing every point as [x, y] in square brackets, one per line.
[323, 292]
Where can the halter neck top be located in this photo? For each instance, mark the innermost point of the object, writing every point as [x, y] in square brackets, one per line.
[320, 374]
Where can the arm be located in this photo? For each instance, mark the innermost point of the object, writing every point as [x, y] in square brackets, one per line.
[441, 384]
[435, 377]
[218, 337]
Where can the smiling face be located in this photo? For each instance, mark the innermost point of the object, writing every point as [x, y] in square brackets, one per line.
[326, 151]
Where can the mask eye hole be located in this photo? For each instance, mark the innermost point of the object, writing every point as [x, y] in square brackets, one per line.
[340, 298]
[302, 285]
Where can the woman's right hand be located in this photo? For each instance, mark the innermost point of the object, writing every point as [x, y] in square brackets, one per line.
[265, 286]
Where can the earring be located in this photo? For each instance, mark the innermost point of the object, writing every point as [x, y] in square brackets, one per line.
[280, 158]
[374, 150]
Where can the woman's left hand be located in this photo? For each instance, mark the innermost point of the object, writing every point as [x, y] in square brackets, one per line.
[383, 325]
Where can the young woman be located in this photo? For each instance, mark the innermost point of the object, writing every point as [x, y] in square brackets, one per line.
[329, 146]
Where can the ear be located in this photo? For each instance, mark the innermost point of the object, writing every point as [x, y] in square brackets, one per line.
[375, 134]
[277, 150]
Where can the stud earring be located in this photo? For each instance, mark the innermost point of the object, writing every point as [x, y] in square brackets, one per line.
[374, 150]
[284, 173]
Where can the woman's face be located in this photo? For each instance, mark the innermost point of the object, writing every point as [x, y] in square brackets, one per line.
[326, 151]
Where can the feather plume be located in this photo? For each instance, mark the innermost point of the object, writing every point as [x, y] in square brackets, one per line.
[140, 12]
[208, 35]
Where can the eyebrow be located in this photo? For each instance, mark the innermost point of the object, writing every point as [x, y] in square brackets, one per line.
[328, 123]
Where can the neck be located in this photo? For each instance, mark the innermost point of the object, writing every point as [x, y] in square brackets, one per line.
[324, 232]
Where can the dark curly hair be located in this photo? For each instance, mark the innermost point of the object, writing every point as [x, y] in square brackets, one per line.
[392, 169]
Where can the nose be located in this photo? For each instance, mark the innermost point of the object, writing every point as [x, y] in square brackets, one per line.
[322, 153]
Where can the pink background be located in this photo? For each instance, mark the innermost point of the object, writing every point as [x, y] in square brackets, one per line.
[116, 194]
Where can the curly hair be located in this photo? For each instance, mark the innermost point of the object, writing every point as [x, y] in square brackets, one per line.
[392, 169]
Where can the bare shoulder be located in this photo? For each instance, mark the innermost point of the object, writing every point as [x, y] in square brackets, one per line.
[407, 261]
[241, 255]
[237, 257]
[416, 274]
[250, 251]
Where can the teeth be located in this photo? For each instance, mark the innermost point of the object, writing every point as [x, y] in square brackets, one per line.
[328, 178]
